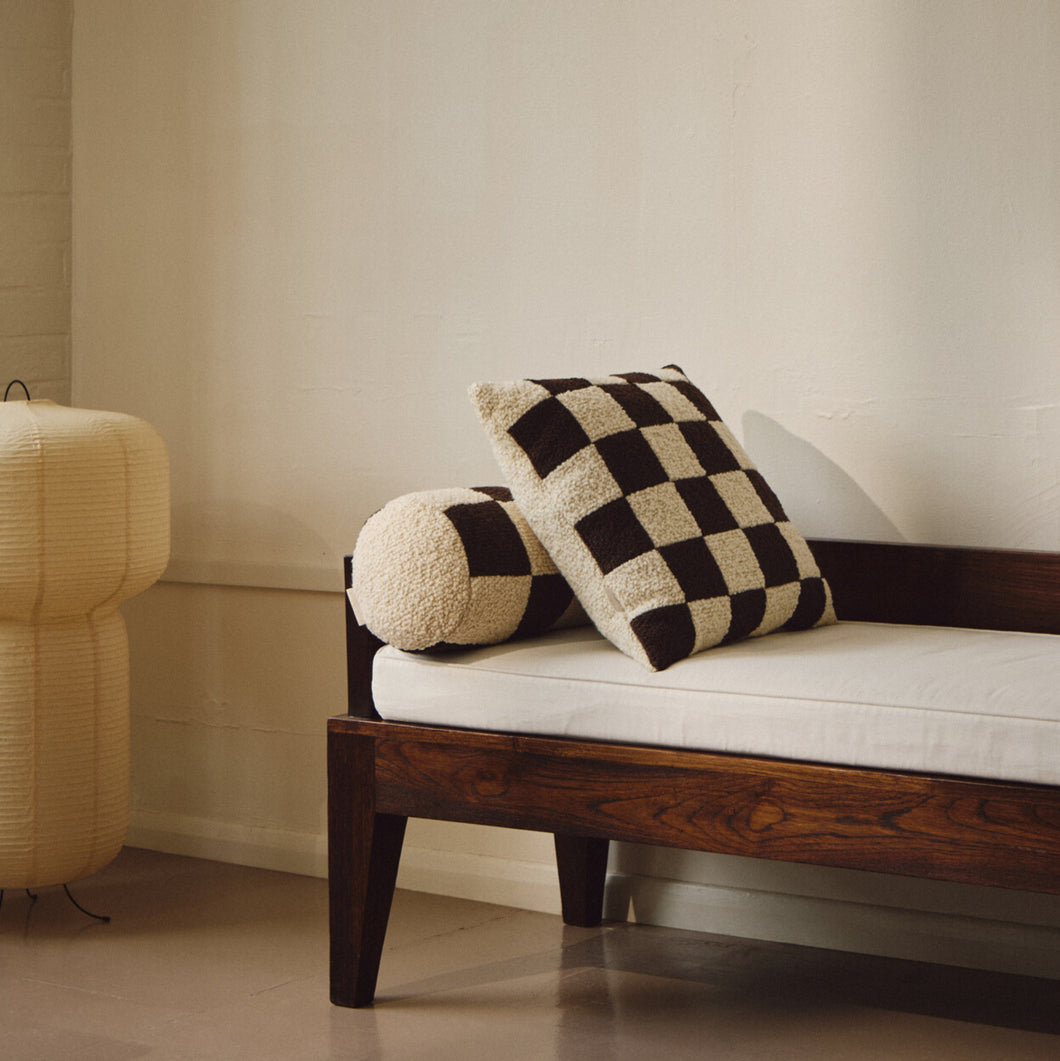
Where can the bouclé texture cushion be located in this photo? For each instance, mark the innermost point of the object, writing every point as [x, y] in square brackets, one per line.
[668, 534]
[456, 567]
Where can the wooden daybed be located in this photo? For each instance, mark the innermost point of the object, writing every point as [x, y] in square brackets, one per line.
[588, 793]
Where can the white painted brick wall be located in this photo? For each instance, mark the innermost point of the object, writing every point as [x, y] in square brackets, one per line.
[35, 174]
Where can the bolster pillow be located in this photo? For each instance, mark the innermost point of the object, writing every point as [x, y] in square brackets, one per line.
[456, 567]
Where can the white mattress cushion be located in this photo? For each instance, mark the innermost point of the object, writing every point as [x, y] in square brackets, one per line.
[980, 703]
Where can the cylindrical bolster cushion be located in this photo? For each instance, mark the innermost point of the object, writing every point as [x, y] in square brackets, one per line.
[460, 566]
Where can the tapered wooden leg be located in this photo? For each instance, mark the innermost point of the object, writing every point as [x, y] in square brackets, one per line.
[582, 865]
[364, 849]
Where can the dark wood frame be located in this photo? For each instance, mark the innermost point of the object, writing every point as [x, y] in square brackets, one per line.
[589, 793]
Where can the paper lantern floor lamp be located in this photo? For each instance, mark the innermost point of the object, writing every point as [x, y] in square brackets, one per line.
[84, 525]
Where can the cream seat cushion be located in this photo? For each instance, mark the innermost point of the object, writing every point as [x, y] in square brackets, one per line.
[926, 699]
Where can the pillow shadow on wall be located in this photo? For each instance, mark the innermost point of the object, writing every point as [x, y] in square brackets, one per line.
[821, 499]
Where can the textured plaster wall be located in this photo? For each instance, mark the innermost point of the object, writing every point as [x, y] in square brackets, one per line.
[35, 197]
[302, 228]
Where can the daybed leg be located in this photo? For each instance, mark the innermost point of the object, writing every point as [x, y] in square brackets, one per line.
[582, 865]
[364, 849]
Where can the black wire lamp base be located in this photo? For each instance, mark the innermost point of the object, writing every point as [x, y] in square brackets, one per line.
[66, 888]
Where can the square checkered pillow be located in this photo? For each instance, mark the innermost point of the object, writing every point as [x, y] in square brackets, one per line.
[667, 533]
[442, 568]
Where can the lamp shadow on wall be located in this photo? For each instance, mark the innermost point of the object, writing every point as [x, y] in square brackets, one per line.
[820, 498]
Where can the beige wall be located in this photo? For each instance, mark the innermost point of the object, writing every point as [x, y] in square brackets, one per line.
[303, 228]
[35, 197]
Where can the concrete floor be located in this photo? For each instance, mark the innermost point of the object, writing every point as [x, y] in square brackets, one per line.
[206, 960]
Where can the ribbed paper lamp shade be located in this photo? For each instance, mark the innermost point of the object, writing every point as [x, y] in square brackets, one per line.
[84, 525]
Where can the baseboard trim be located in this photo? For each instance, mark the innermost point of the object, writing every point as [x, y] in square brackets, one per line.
[837, 924]
[243, 845]
[948, 939]
[505, 882]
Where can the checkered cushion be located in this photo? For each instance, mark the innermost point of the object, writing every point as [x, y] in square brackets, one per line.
[443, 568]
[670, 537]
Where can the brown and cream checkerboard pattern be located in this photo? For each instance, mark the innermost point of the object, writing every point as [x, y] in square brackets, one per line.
[667, 532]
[456, 567]
[512, 577]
